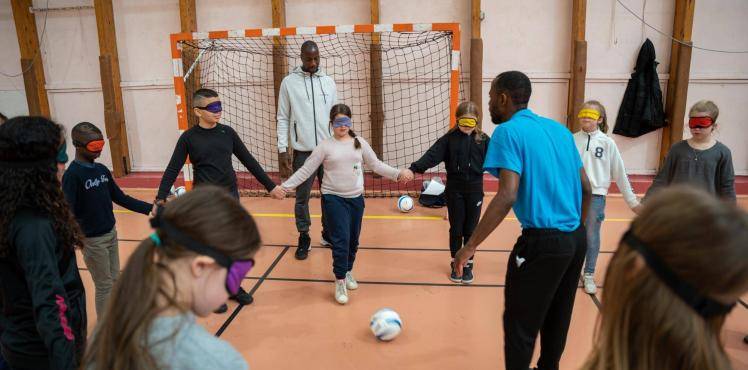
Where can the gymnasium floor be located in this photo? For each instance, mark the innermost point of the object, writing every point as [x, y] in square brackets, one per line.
[403, 263]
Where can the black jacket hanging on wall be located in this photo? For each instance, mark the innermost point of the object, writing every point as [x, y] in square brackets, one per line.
[641, 110]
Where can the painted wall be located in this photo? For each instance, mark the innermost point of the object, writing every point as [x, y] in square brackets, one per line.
[531, 36]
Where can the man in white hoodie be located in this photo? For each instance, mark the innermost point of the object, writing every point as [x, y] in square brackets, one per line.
[304, 102]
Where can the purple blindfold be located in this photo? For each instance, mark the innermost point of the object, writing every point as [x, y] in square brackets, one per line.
[237, 269]
[214, 107]
[342, 121]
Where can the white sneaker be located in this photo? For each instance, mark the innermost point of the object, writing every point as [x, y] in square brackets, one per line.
[323, 242]
[589, 283]
[341, 294]
[350, 281]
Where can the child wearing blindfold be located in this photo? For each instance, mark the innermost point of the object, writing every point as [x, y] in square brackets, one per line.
[463, 150]
[343, 156]
[42, 298]
[700, 161]
[210, 146]
[90, 190]
[678, 272]
[603, 164]
[201, 249]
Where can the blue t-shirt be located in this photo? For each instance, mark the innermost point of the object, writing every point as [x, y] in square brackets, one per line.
[543, 153]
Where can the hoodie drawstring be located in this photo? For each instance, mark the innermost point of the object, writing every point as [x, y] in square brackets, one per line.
[305, 88]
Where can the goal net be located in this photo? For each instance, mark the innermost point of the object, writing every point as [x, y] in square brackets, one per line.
[401, 82]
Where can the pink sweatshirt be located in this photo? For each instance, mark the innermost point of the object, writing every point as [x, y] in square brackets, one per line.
[343, 165]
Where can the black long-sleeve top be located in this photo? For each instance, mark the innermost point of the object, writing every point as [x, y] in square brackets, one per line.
[463, 157]
[44, 312]
[90, 190]
[210, 153]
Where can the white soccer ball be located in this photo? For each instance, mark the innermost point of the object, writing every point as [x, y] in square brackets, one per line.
[178, 192]
[386, 324]
[405, 203]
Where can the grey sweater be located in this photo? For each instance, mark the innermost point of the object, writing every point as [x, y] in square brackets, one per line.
[710, 170]
[191, 347]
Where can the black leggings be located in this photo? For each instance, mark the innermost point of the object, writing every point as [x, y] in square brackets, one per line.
[464, 212]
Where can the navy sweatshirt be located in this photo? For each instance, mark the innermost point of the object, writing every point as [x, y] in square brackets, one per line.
[90, 190]
[44, 309]
[210, 153]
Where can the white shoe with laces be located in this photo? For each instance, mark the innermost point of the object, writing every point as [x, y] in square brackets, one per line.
[341, 294]
[589, 283]
[350, 281]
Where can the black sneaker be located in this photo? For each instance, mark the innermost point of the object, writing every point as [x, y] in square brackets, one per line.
[467, 274]
[305, 243]
[243, 298]
[453, 277]
[224, 307]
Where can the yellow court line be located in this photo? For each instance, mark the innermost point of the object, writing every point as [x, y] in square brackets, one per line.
[377, 217]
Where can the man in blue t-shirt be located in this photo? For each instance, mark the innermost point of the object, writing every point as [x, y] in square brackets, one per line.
[542, 178]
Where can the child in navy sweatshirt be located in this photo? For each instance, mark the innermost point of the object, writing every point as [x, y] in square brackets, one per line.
[90, 190]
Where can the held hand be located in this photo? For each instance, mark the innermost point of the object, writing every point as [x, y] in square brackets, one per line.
[278, 193]
[284, 165]
[156, 203]
[405, 175]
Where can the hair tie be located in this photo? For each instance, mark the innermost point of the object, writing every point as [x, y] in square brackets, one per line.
[156, 239]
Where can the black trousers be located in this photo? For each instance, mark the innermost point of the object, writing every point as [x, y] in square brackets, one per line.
[464, 212]
[541, 282]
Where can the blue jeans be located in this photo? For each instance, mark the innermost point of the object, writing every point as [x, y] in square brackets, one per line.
[595, 218]
[342, 222]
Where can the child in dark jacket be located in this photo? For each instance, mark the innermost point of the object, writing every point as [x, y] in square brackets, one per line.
[90, 190]
[463, 150]
[44, 302]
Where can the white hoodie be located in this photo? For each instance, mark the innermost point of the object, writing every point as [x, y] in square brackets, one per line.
[304, 105]
[602, 160]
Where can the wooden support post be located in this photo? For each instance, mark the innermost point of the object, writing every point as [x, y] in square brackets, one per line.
[188, 22]
[280, 64]
[476, 57]
[32, 65]
[114, 112]
[680, 68]
[578, 63]
[375, 86]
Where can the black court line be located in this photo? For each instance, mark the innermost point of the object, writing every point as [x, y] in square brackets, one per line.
[415, 249]
[390, 248]
[742, 303]
[251, 292]
[384, 282]
[596, 301]
[418, 249]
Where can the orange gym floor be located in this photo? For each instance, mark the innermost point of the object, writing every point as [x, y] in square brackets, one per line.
[403, 263]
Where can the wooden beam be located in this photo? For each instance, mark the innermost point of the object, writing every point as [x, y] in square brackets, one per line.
[32, 66]
[280, 62]
[578, 63]
[114, 112]
[188, 23]
[677, 84]
[476, 57]
[187, 15]
[376, 101]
